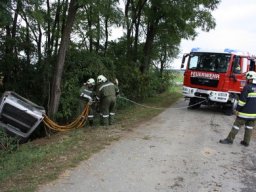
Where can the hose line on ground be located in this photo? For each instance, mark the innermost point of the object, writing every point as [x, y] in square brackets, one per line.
[81, 119]
[161, 108]
[77, 123]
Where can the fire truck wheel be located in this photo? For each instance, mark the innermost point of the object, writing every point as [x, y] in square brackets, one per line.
[194, 103]
[228, 111]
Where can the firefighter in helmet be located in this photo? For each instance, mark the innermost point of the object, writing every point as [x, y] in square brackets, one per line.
[106, 94]
[245, 111]
[87, 94]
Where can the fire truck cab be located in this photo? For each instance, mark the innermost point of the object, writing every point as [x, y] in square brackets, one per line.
[215, 77]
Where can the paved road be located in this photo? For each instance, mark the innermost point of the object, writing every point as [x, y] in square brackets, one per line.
[177, 151]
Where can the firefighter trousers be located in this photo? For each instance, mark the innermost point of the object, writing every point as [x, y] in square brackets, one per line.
[239, 123]
[107, 110]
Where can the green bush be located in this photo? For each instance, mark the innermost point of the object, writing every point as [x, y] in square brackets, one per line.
[135, 85]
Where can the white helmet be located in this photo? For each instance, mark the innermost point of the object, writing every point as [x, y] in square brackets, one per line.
[90, 81]
[251, 75]
[101, 79]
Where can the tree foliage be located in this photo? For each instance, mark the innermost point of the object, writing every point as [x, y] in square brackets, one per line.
[49, 48]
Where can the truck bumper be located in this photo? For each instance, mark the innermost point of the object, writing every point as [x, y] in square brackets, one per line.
[215, 96]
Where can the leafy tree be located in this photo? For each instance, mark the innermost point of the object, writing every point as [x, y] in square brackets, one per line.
[56, 83]
[48, 48]
[179, 18]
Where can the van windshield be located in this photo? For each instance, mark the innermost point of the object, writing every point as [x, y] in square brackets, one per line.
[216, 62]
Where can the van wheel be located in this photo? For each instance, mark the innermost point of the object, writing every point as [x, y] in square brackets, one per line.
[194, 103]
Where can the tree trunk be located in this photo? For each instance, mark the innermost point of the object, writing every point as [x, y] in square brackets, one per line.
[56, 83]
[15, 19]
[129, 27]
[27, 48]
[90, 28]
[48, 32]
[39, 44]
[139, 9]
[106, 36]
[147, 48]
[98, 33]
[163, 59]
[14, 24]
[151, 32]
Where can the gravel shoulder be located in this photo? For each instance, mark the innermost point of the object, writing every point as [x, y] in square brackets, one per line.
[176, 151]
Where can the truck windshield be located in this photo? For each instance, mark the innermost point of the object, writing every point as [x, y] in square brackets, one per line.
[216, 62]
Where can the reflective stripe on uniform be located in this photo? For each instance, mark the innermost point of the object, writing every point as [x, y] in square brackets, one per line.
[235, 127]
[108, 84]
[90, 116]
[249, 127]
[241, 103]
[87, 96]
[246, 115]
[87, 91]
[112, 114]
[104, 116]
[252, 95]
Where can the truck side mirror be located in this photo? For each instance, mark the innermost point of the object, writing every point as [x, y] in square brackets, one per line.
[183, 60]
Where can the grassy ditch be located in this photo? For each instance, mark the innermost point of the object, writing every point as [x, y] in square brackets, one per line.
[43, 160]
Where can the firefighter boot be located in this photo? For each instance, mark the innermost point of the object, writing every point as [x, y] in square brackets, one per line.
[230, 138]
[104, 121]
[101, 120]
[111, 119]
[226, 141]
[247, 137]
[91, 122]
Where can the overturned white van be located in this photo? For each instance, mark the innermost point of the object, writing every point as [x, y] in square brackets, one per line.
[19, 117]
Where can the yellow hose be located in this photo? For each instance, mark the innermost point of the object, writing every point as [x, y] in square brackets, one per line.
[77, 123]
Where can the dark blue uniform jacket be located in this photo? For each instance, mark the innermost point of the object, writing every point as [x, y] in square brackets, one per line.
[247, 102]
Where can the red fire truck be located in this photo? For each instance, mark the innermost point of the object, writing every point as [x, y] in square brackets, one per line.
[215, 77]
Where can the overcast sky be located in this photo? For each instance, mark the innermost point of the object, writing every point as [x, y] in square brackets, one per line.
[235, 29]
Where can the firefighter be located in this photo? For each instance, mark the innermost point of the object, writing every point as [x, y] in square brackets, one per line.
[245, 111]
[87, 94]
[106, 94]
